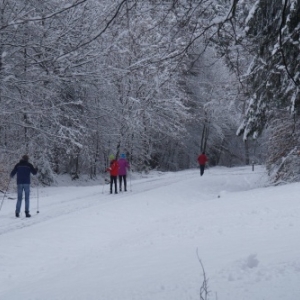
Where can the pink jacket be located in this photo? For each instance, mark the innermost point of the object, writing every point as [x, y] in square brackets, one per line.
[123, 166]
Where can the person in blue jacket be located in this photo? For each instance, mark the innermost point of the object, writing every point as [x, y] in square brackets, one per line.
[23, 169]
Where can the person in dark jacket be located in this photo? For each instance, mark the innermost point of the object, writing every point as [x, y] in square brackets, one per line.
[23, 169]
[202, 159]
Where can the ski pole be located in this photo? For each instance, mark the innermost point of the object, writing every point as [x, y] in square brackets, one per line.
[103, 184]
[38, 197]
[5, 193]
[130, 181]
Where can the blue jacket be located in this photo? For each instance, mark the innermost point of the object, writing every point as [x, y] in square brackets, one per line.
[23, 170]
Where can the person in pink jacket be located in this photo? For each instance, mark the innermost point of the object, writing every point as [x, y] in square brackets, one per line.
[123, 167]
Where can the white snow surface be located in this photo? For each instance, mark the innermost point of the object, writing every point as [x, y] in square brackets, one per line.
[146, 243]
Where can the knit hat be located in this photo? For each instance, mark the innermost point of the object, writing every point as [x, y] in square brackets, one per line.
[111, 157]
[123, 155]
[25, 157]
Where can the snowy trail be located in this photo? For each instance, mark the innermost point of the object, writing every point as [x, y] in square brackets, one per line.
[56, 202]
[142, 244]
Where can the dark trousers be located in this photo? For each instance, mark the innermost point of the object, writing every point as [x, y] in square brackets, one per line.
[113, 180]
[202, 167]
[123, 178]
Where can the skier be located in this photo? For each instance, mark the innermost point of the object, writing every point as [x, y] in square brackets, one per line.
[202, 159]
[123, 166]
[23, 169]
[113, 170]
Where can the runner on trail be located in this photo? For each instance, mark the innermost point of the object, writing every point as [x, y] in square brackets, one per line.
[202, 159]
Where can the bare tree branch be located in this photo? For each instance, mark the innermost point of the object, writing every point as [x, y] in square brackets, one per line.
[204, 287]
[22, 20]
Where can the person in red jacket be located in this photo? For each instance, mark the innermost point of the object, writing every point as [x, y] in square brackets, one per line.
[202, 159]
[114, 171]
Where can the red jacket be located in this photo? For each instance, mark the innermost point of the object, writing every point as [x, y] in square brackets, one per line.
[114, 168]
[202, 159]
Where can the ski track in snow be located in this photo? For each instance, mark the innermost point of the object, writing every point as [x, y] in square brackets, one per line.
[72, 204]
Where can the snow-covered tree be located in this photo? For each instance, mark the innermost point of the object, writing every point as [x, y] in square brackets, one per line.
[85, 79]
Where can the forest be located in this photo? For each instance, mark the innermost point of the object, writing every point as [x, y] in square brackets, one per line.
[160, 81]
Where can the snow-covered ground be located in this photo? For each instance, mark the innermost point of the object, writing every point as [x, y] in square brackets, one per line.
[146, 243]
